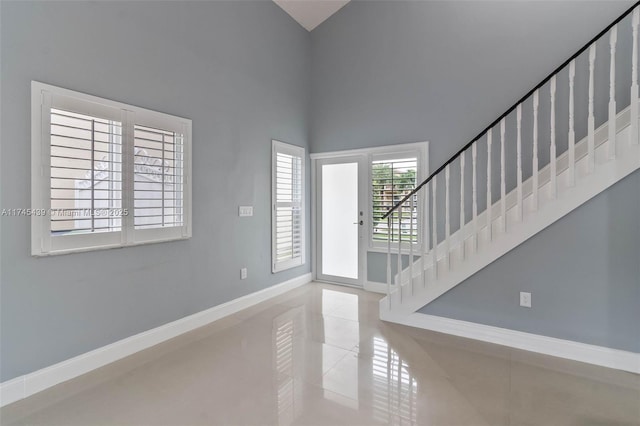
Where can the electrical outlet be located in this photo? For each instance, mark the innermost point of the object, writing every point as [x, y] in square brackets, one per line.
[243, 273]
[525, 299]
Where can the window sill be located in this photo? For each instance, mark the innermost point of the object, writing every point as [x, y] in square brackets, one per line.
[104, 247]
[417, 249]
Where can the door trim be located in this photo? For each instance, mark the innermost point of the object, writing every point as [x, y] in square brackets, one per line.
[367, 151]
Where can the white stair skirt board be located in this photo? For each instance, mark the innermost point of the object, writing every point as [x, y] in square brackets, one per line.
[597, 355]
[607, 172]
[29, 384]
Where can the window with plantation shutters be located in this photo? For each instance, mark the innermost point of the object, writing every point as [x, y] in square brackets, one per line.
[288, 206]
[158, 171]
[392, 178]
[86, 173]
[105, 174]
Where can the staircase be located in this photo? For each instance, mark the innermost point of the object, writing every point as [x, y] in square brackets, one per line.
[605, 155]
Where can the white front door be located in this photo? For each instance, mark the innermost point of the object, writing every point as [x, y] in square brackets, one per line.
[341, 222]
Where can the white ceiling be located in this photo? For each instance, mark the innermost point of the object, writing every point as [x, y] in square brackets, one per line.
[310, 13]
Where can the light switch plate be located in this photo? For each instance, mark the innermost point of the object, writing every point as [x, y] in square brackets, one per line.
[245, 211]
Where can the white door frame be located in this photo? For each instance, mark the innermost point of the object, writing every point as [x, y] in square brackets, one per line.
[423, 172]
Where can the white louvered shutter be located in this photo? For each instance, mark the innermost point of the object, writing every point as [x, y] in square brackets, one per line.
[288, 206]
[158, 178]
[86, 173]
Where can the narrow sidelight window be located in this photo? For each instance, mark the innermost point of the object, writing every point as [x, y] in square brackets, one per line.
[287, 221]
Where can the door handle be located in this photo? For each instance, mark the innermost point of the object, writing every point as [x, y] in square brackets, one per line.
[361, 223]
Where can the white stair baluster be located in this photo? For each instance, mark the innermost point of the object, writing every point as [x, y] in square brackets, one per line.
[503, 183]
[474, 193]
[412, 206]
[611, 145]
[634, 78]
[434, 229]
[399, 258]
[489, 215]
[572, 133]
[553, 173]
[462, 233]
[425, 233]
[534, 176]
[447, 219]
[591, 121]
[519, 161]
[389, 259]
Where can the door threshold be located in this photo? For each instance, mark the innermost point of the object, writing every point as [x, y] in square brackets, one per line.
[340, 284]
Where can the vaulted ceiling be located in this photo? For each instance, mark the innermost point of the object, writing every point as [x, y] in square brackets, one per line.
[311, 13]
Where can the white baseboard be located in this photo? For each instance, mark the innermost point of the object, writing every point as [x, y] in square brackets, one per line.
[29, 384]
[591, 354]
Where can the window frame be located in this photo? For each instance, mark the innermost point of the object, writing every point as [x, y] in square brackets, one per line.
[43, 98]
[294, 150]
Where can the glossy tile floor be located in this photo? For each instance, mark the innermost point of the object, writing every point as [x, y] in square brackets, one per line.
[319, 355]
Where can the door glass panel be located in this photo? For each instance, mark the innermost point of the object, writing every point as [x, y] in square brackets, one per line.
[340, 220]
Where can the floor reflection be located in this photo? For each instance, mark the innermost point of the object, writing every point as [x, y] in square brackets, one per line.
[369, 372]
[286, 346]
[392, 382]
[341, 305]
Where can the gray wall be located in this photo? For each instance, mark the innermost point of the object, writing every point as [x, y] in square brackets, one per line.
[389, 72]
[377, 266]
[239, 70]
